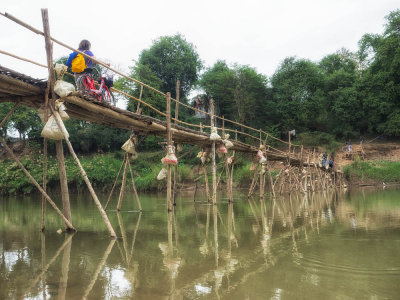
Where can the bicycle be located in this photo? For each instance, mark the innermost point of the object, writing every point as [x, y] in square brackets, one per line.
[87, 84]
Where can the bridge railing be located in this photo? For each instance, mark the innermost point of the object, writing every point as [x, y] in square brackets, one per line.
[256, 135]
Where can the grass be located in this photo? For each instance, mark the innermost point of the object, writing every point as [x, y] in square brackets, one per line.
[381, 171]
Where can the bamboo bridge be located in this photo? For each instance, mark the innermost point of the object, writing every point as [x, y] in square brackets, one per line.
[300, 169]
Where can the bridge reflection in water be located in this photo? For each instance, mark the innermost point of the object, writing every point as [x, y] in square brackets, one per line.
[250, 248]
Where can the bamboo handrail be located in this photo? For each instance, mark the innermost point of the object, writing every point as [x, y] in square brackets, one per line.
[21, 58]
[11, 17]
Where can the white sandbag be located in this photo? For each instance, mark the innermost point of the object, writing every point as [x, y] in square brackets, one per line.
[129, 147]
[259, 154]
[60, 107]
[60, 70]
[170, 158]
[63, 89]
[162, 174]
[214, 135]
[52, 131]
[221, 149]
[42, 113]
[228, 144]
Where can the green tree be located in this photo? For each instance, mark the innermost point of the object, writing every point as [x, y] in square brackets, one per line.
[379, 86]
[172, 58]
[240, 93]
[297, 92]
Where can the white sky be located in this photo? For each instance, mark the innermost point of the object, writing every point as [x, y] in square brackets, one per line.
[252, 32]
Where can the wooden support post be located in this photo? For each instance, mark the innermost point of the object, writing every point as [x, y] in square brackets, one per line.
[138, 110]
[36, 183]
[134, 187]
[67, 241]
[98, 269]
[115, 183]
[169, 143]
[177, 102]
[43, 221]
[123, 185]
[84, 175]
[63, 181]
[204, 167]
[176, 121]
[214, 166]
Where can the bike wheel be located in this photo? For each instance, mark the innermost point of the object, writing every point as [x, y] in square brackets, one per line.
[83, 84]
[107, 96]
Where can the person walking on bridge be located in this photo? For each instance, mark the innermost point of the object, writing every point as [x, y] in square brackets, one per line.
[77, 62]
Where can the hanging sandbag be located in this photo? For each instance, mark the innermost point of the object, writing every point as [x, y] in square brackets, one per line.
[170, 158]
[179, 148]
[259, 154]
[222, 149]
[129, 146]
[60, 107]
[60, 70]
[52, 131]
[63, 89]
[214, 134]
[228, 144]
[253, 166]
[162, 174]
[42, 113]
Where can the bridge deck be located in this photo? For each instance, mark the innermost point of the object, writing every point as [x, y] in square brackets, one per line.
[16, 87]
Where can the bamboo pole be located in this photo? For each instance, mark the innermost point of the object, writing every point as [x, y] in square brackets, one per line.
[204, 167]
[169, 143]
[134, 238]
[115, 183]
[43, 250]
[24, 59]
[35, 183]
[214, 166]
[63, 181]
[138, 110]
[62, 287]
[134, 188]
[4, 121]
[99, 268]
[50, 88]
[122, 191]
[176, 121]
[83, 173]
[67, 241]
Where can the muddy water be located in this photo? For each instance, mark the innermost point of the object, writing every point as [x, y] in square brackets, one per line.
[326, 246]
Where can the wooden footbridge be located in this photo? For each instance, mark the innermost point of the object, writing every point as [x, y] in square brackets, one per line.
[34, 93]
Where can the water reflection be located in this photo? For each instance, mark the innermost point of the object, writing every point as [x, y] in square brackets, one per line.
[251, 248]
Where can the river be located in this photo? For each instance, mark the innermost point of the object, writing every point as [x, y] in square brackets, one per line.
[342, 245]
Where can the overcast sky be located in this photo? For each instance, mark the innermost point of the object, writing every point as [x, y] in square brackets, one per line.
[252, 32]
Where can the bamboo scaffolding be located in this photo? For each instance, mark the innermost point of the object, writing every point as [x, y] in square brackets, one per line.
[169, 144]
[67, 241]
[115, 183]
[124, 176]
[35, 183]
[214, 166]
[99, 268]
[134, 188]
[83, 173]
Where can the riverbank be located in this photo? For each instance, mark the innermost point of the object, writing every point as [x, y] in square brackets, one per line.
[102, 170]
[378, 164]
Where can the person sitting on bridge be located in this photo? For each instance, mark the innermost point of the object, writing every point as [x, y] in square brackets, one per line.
[84, 46]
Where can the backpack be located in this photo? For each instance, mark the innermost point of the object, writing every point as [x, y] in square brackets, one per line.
[78, 64]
